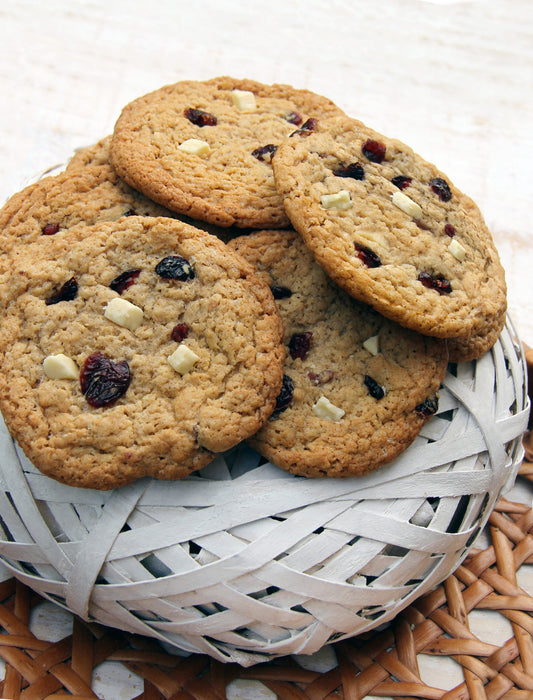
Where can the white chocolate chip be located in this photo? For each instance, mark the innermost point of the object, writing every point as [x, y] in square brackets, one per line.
[339, 200]
[244, 100]
[323, 408]
[406, 204]
[124, 313]
[60, 367]
[372, 345]
[457, 250]
[182, 359]
[195, 147]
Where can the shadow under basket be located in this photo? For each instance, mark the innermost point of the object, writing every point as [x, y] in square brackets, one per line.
[244, 562]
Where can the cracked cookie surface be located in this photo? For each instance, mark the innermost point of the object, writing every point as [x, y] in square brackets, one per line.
[230, 182]
[200, 333]
[358, 387]
[393, 230]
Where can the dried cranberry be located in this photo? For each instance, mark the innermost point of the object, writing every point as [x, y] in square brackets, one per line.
[50, 229]
[65, 293]
[449, 230]
[437, 282]
[265, 153]
[124, 280]
[368, 256]
[299, 345]
[354, 170]
[180, 332]
[103, 381]
[441, 188]
[374, 389]
[374, 150]
[402, 181]
[428, 407]
[323, 377]
[199, 117]
[285, 395]
[175, 267]
[294, 118]
[307, 127]
[280, 292]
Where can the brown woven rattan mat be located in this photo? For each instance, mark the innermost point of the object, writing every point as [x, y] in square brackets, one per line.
[382, 663]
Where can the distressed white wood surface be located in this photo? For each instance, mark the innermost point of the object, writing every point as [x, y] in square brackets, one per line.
[452, 79]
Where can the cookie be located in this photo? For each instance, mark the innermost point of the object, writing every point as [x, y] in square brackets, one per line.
[204, 148]
[472, 348]
[140, 347]
[357, 387]
[59, 202]
[95, 154]
[392, 230]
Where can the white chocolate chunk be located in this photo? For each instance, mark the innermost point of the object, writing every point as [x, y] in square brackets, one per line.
[406, 204]
[339, 200]
[372, 345]
[60, 367]
[182, 359]
[457, 250]
[195, 147]
[323, 408]
[244, 100]
[124, 313]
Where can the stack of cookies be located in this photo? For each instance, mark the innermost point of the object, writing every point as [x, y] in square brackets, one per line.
[237, 262]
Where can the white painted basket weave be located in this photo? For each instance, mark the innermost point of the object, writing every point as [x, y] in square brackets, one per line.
[245, 562]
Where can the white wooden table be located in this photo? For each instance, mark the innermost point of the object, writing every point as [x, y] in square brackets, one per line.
[452, 79]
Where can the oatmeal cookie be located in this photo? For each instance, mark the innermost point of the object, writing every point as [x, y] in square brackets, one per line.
[140, 347]
[357, 387]
[204, 148]
[392, 230]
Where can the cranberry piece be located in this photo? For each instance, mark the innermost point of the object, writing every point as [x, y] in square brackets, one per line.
[180, 332]
[439, 283]
[285, 395]
[175, 267]
[103, 380]
[402, 181]
[307, 127]
[428, 407]
[199, 117]
[374, 389]
[280, 292]
[449, 230]
[65, 293]
[441, 188]
[368, 256]
[374, 150]
[124, 280]
[321, 378]
[265, 153]
[50, 229]
[294, 118]
[299, 345]
[354, 170]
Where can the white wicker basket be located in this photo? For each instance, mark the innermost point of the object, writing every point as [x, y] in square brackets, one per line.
[245, 562]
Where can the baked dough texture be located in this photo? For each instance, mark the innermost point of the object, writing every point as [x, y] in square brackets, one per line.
[168, 422]
[386, 387]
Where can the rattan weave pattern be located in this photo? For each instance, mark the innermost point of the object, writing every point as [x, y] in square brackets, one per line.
[382, 663]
